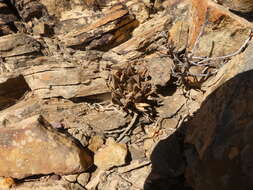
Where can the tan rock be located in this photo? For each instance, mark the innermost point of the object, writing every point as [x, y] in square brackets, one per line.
[70, 178]
[32, 147]
[18, 44]
[29, 9]
[238, 5]
[66, 80]
[95, 143]
[44, 185]
[224, 33]
[113, 154]
[6, 183]
[105, 31]
[112, 119]
[83, 179]
[144, 35]
[160, 70]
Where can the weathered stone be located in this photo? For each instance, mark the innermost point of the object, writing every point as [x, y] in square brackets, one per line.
[143, 36]
[83, 179]
[222, 24]
[112, 119]
[138, 8]
[32, 147]
[106, 31]
[44, 185]
[113, 154]
[95, 143]
[238, 5]
[70, 178]
[29, 9]
[66, 80]
[6, 183]
[18, 44]
[160, 70]
[220, 133]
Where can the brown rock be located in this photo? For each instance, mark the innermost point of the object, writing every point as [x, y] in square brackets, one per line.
[70, 178]
[222, 24]
[44, 185]
[95, 143]
[32, 147]
[18, 44]
[107, 30]
[66, 80]
[221, 131]
[160, 70]
[113, 154]
[29, 9]
[142, 37]
[106, 121]
[6, 183]
[238, 5]
[83, 179]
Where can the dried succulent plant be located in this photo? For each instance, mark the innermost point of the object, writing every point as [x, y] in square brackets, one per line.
[131, 88]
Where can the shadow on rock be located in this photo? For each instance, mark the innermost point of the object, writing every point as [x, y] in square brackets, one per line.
[214, 149]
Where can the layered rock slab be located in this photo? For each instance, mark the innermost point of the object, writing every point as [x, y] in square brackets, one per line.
[32, 147]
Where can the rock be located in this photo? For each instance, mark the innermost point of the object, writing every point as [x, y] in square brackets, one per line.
[139, 9]
[222, 24]
[244, 6]
[70, 178]
[142, 37]
[75, 186]
[6, 183]
[113, 154]
[26, 144]
[47, 80]
[219, 153]
[160, 70]
[105, 31]
[148, 144]
[83, 179]
[106, 121]
[61, 8]
[95, 143]
[42, 29]
[18, 44]
[44, 185]
[29, 9]
[139, 176]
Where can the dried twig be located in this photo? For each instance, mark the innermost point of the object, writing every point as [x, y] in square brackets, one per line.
[128, 127]
[226, 56]
[133, 166]
[198, 38]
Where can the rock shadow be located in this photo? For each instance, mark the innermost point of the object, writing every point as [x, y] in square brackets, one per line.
[213, 149]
